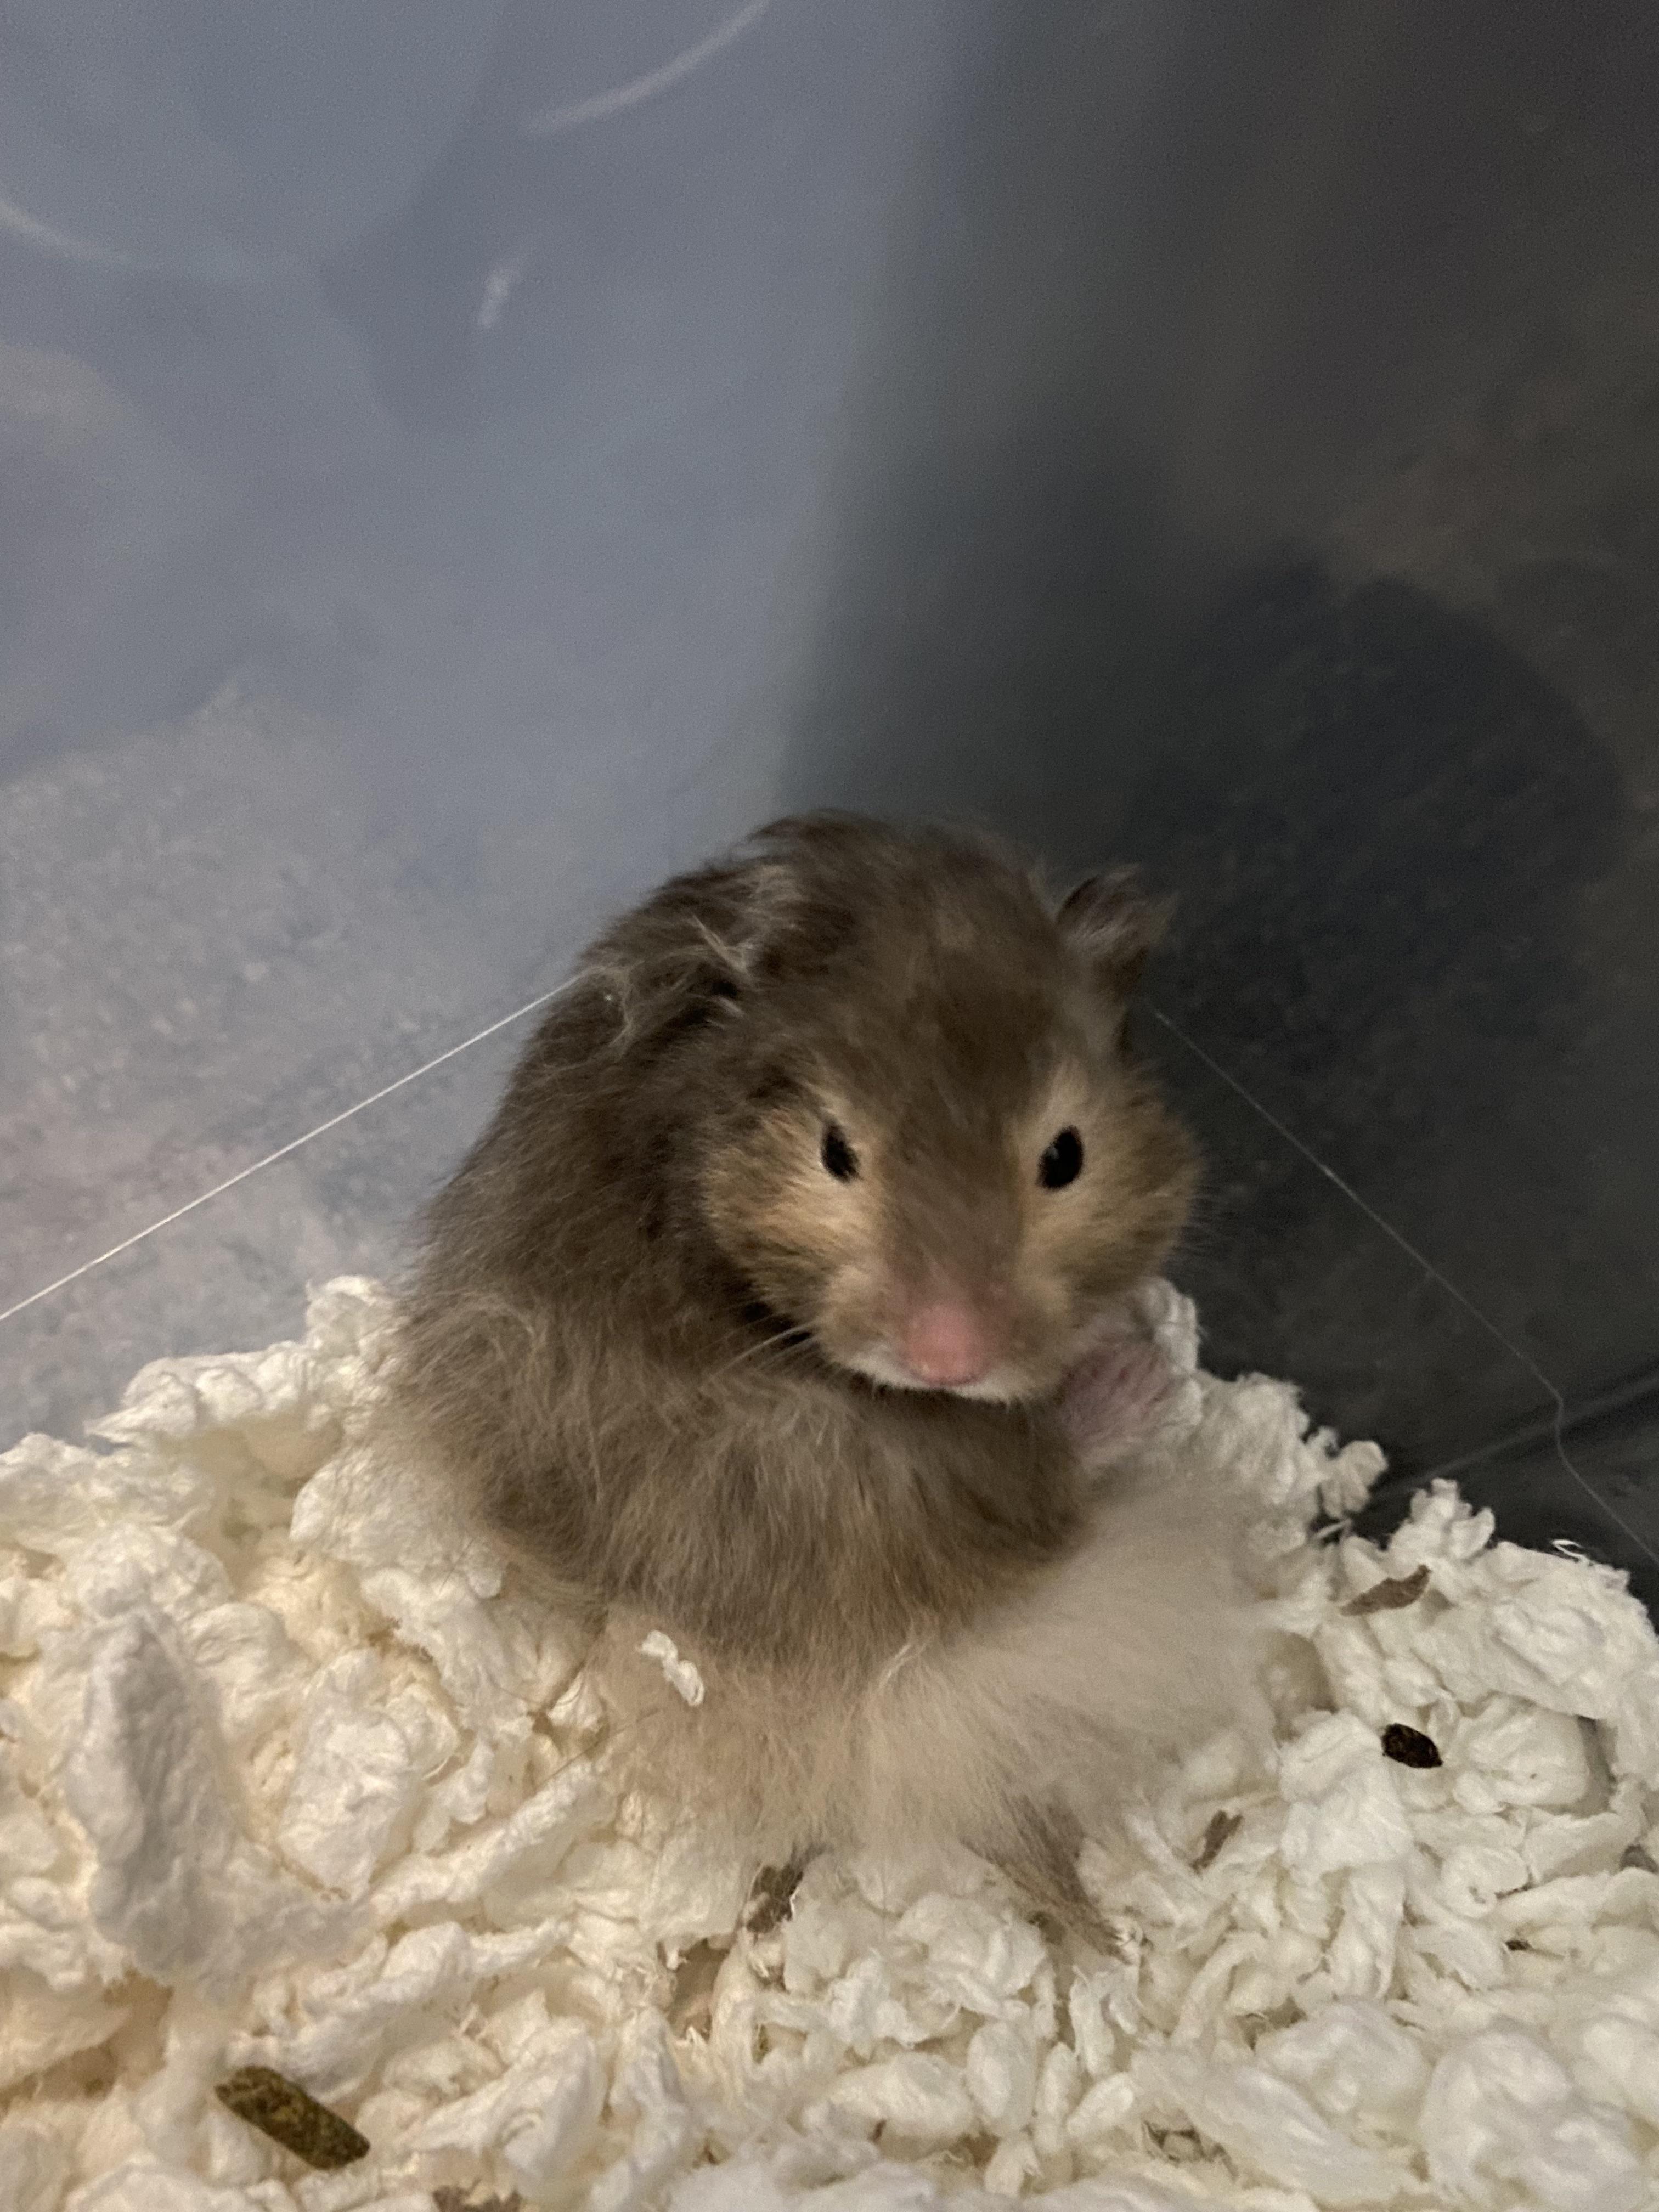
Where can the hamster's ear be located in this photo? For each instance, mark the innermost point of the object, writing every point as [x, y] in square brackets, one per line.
[732, 930]
[691, 954]
[1115, 924]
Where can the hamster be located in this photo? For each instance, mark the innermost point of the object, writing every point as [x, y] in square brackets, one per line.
[786, 1308]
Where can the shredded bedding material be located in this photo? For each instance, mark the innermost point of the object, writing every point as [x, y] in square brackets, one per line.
[291, 1781]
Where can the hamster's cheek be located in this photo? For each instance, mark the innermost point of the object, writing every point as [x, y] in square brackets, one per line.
[852, 1320]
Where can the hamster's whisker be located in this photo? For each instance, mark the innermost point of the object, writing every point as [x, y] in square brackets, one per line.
[783, 1341]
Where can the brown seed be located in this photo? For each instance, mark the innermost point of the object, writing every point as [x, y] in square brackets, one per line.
[1223, 1827]
[291, 2115]
[1409, 1746]
[1389, 1596]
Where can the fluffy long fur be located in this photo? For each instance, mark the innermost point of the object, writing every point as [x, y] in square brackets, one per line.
[918, 1615]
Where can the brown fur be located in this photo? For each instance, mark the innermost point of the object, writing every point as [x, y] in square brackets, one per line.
[632, 1339]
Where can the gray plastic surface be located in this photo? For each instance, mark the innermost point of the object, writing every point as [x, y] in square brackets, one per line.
[413, 518]
[458, 461]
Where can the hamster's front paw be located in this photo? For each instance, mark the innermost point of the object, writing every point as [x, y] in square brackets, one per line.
[1113, 1397]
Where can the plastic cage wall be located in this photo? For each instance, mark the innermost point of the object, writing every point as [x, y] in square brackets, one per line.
[458, 461]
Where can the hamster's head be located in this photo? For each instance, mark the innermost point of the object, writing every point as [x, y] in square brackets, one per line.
[920, 1135]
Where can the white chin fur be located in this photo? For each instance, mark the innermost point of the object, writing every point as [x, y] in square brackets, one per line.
[999, 1387]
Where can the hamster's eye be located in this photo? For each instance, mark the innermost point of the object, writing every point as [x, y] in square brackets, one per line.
[839, 1159]
[1063, 1163]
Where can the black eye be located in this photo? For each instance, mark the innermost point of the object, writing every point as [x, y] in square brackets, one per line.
[1063, 1163]
[839, 1159]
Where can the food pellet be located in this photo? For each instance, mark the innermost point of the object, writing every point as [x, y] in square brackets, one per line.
[291, 2115]
[1388, 1597]
[1409, 1746]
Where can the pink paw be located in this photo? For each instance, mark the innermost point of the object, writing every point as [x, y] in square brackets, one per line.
[1112, 1398]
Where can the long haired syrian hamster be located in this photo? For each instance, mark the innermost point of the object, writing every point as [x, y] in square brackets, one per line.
[768, 1313]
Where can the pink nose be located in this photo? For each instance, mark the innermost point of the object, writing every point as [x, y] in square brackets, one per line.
[945, 1345]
